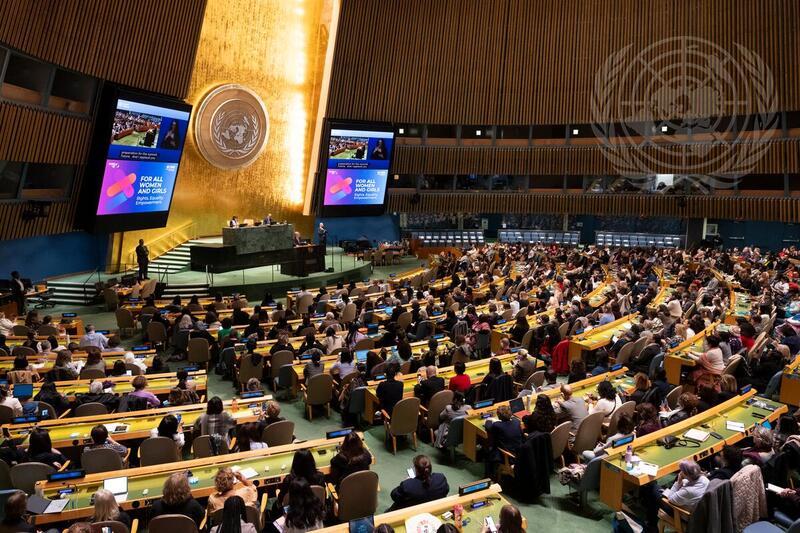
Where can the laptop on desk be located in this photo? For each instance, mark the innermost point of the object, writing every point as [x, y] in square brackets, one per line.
[517, 406]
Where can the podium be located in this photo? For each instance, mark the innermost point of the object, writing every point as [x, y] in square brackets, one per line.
[252, 247]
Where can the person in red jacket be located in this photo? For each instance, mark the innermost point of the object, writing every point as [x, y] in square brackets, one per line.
[561, 357]
[460, 382]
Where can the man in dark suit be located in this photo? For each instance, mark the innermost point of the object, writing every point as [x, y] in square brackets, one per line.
[426, 388]
[18, 292]
[425, 486]
[390, 391]
[268, 220]
[506, 433]
[143, 259]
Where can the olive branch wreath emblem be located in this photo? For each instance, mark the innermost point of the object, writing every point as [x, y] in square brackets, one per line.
[733, 158]
[250, 122]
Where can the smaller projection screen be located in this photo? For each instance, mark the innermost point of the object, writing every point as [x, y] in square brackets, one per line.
[136, 155]
[357, 169]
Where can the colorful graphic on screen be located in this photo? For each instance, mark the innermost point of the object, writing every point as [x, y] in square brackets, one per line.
[355, 187]
[358, 167]
[136, 187]
[142, 163]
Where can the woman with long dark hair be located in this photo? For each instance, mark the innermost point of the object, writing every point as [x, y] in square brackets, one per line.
[305, 511]
[234, 518]
[40, 449]
[543, 418]
[520, 328]
[495, 371]
[169, 427]
[352, 457]
[303, 467]
[510, 520]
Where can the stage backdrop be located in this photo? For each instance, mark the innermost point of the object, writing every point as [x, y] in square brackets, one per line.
[277, 48]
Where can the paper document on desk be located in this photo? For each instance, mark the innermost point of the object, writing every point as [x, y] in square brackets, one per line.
[648, 469]
[734, 426]
[56, 506]
[248, 473]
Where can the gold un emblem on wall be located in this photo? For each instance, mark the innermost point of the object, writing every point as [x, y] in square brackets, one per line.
[231, 126]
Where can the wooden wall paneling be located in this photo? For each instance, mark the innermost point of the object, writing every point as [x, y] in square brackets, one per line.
[778, 156]
[148, 44]
[22, 129]
[532, 61]
[742, 208]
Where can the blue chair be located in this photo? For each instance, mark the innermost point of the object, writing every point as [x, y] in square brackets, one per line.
[784, 521]
[589, 481]
[287, 380]
[455, 436]
[358, 400]
[769, 527]
[655, 364]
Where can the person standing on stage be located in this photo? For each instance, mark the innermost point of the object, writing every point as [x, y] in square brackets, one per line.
[18, 292]
[143, 259]
[233, 222]
[322, 234]
[268, 221]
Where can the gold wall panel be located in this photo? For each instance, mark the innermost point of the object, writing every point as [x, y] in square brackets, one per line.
[274, 47]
